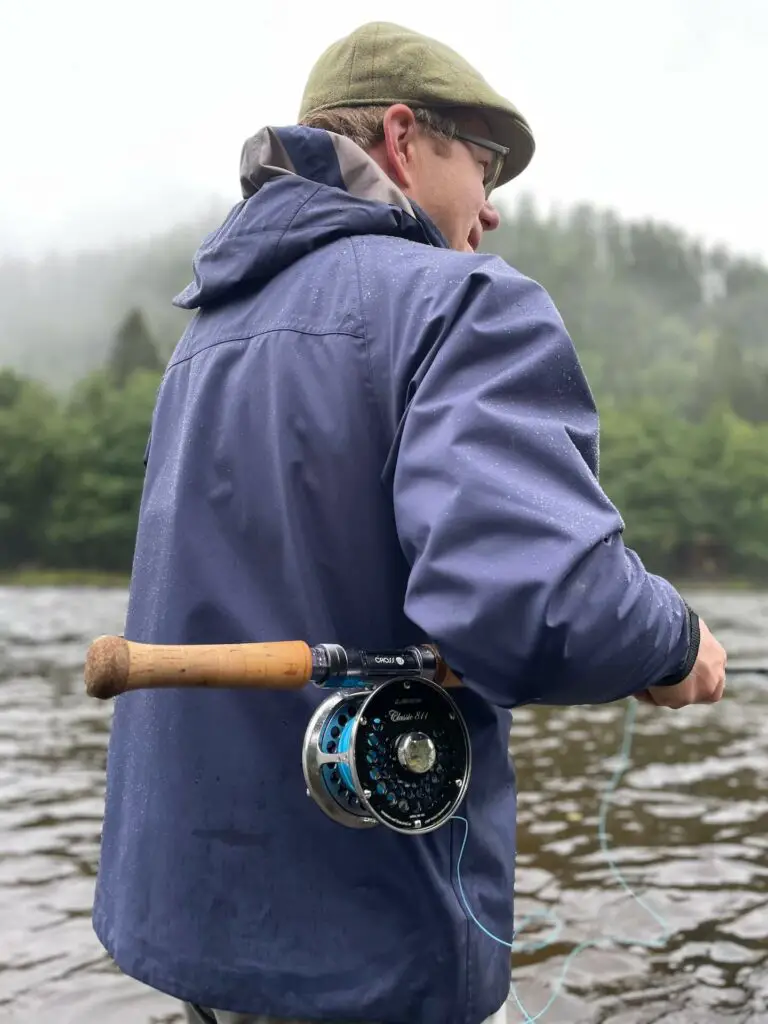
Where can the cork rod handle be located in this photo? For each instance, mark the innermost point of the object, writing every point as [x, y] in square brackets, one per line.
[114, 665]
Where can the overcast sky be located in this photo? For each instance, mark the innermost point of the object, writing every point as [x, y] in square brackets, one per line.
[118, 118]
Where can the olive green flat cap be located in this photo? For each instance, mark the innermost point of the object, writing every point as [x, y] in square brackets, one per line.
[381, 63]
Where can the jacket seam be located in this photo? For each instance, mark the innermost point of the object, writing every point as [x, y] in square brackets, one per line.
[463, 1013]
[250, 335]
[365, 339]
[296, 212]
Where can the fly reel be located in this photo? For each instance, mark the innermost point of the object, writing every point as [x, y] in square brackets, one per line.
[388, 746]
[397, 754]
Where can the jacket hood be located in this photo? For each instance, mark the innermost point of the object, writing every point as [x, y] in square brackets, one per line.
[302, 188]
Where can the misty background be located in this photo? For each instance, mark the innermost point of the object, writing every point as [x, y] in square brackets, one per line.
[643, 212]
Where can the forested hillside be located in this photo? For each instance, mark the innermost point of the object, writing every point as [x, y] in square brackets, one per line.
[672, 335]
[652, 313]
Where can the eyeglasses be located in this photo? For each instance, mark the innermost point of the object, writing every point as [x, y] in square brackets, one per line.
[500, 153]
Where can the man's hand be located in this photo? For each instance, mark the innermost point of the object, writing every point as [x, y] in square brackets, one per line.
[703, 685]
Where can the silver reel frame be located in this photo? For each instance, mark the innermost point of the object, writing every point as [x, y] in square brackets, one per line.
[359, 813]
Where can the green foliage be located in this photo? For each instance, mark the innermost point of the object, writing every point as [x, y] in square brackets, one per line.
[672, 337]
[133, 349]
[93, 512]
[71, 473]
[694, 495]
[30, 466]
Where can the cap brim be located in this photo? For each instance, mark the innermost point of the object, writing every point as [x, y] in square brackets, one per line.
[512, 132]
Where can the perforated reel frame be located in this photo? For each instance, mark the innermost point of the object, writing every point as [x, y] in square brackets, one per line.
[351, 763]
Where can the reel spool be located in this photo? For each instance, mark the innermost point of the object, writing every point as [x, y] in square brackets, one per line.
[396, 755]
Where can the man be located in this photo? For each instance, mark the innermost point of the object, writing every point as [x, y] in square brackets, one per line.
[369, 435]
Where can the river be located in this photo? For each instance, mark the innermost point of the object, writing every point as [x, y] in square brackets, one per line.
[689, 831]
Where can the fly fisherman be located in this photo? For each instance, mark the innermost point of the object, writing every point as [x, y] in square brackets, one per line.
[372, 435]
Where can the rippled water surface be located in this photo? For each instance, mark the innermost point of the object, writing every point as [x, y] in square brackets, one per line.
[689, 831]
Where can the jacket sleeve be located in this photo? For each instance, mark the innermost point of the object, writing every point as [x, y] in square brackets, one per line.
[518, 569]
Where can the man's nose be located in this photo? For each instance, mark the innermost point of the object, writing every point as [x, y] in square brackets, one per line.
[489, 217]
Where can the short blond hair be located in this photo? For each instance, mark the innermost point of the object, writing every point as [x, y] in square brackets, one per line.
[365, 125]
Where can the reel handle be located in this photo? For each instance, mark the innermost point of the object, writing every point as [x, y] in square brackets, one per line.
[115, 665]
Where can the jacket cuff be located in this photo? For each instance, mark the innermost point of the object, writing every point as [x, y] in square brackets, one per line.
[694, 639]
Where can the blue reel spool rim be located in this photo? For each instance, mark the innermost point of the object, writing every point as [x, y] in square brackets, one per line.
[338, 801]
[343, 746]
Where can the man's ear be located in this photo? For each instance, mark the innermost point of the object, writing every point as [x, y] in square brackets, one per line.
[400, 131]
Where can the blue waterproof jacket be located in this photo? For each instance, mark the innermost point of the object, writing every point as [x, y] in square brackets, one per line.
[365, 438]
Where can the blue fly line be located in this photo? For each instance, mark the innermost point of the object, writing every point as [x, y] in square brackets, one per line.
[557, 924]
